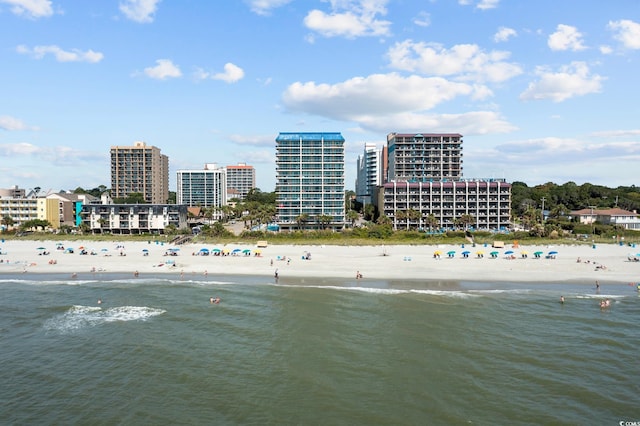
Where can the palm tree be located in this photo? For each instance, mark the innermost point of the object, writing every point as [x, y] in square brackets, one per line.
[7, 221]
[302, 219]
[431, 221]
[384, 220]
[352, 216]
[412, 216]
[466, 220]
[324, 220]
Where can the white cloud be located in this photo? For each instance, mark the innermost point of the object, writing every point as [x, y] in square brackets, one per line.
[470, 123]
[383, 101]
[566, 37]
[487, 4]
[466, 61]
[565, 150]
[12, 124]
[57, 154]
[350, 19]
[264, 7]
[504, 34]
[30, 8]
[232, 74]
[74, 55]
[606, 50]
[139, 10]
[422, 19]
[377, 94]
[570, 81]
[627, 32]
[481, 4]
[10, 150]
[163, 70]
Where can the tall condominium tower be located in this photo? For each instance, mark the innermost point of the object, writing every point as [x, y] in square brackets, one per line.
[241, 178]
[371, 171]
[140, 168]
[424, 157]
[203, 188]
[310, 180]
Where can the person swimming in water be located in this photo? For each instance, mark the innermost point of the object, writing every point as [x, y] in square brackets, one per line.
[562, 299]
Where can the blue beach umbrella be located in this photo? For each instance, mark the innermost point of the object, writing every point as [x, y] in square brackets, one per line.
[508, 252]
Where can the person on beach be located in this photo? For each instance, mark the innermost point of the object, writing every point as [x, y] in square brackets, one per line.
[275, 275]
[99, 301]
[136, 274]
[358, 275]
[214, 300]
[597, 287]
[562, 300]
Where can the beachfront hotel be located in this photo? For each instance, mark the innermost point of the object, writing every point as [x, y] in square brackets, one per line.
[205, 188]
[422, 157]
[133, 219]
[241, 178]
[371, 173]
[140, 168]
[426, 190]
[310, 180]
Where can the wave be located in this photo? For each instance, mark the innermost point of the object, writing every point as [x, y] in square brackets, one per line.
[79, 317]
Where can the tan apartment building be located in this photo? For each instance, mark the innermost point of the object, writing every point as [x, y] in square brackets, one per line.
[140, 168]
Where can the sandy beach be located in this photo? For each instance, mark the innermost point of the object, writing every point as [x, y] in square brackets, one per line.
[577, 263]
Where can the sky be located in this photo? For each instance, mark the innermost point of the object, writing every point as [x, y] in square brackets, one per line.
[542, 91]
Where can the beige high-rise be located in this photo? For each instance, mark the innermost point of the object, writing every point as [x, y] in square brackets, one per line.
[140, 168]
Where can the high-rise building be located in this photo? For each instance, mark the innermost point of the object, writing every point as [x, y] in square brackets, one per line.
[203, 188]
[425, 189]
[310, 180]
[241, 179]
[140, 168]
[426, 157]
[371, 169]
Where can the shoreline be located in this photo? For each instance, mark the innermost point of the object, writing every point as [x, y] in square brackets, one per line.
[607, 263]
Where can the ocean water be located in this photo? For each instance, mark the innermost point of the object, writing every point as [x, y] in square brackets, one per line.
[315, 352]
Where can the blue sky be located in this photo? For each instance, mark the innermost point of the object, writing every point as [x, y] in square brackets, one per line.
[541, 90]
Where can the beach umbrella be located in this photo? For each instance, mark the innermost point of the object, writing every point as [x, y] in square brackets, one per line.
[480, 252]
[246, 251]
[174, 249]
[494, 253]
[216, 250]
[59, 244]
[437, 252]
[553, 252]
[236, 250]
[41, 248]
[538, 253]
[508, 252]
[466, 252]
[104, 249]
[145, 250]
[451, 253]
[204, 250]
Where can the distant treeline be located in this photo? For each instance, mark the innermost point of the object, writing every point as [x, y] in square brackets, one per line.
[570, 196]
